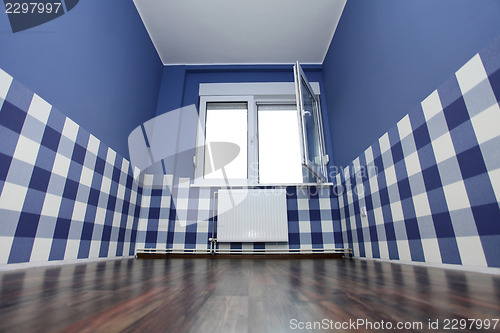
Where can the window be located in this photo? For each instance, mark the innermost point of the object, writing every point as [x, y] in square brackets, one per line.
[225, 150]
[260, 133]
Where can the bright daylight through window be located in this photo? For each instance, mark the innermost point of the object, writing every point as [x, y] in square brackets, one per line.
[279, 144]
[226, 122]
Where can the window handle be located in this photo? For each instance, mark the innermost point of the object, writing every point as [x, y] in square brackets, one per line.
[308, 113]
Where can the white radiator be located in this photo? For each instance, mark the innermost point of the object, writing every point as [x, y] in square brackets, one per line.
[252, 215]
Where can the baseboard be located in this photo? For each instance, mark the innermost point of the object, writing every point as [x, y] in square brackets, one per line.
[240, 256]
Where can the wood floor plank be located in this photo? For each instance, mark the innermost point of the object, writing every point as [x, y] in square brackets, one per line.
[221, 314]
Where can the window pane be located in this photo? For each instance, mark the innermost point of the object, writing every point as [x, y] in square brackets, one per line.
[279, 150]
[225, 132]
[310, 120]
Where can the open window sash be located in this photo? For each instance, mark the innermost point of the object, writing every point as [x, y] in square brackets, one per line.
[309, 114]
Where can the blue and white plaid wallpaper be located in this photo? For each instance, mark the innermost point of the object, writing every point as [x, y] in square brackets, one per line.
[428, 190]
[63, 193]
[188, 223]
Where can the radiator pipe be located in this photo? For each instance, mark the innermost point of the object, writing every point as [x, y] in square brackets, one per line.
[213, 241]
[346, 251]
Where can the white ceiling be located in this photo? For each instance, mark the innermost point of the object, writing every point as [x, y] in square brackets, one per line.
[240, 31]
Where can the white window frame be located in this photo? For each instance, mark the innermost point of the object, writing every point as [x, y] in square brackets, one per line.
[253, 94]
[251, 140]
[318, 171]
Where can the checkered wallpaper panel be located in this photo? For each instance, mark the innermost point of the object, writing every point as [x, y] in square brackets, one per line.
[63, 193]
[428, 190]
[310, 220]
[155, 210]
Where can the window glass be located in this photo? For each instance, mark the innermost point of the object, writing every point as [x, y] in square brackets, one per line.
[279, 144]
[310, 119]
[226, 141]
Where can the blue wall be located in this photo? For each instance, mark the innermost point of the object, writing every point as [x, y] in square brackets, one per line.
[96, 64]
[180, 84]
[388, 55]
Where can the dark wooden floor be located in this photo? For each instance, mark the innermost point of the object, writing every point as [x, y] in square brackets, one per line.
[239, 295]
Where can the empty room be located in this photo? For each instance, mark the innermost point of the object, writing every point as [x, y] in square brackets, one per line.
[250, 166]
